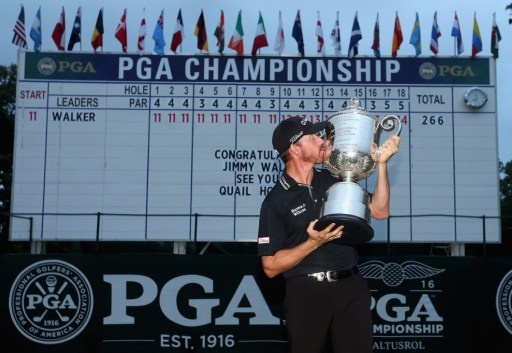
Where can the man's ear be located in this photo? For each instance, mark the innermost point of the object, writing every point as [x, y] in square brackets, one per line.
[294, 148]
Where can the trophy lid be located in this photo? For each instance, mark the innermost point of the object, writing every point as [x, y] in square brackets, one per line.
[355, 107]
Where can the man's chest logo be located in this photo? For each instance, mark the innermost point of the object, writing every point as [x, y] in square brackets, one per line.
[298, 210]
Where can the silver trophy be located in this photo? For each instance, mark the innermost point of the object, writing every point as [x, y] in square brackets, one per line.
[355, 137]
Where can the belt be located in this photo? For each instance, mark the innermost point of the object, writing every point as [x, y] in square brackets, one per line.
[332, 276]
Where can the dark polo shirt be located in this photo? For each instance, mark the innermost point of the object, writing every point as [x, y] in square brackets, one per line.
[285, 215]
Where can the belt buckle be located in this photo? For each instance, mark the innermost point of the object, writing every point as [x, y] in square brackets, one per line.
[331, 276]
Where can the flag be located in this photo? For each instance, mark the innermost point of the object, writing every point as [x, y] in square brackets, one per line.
[76, 32]
[19, 38]
[141, 41]
[336, 35]
[260, 39]
[415, 39]
[376, 38]
[97, 34]
[320, 42]
[35, 31]
[456, 33]
[397, 37]
[158, 35]
[495, 37]
[435, 34]
[237, 39]
[279, 44]
[355, 37]
[297, 33]
[179, 33]
[122, 33]
[59, 32]
[200, 33]
[219, 33]
[476, 46]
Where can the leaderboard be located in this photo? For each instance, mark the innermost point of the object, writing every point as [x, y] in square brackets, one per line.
[178, 148]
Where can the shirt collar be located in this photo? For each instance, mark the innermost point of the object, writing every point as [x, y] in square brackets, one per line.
[287, 182]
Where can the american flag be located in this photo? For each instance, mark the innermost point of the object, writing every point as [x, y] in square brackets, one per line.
[19, 38]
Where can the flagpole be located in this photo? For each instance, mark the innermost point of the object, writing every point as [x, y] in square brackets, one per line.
[102, 45]
[455, 40]
[41, 28]
[80, 28]
[280, 27]
[163, 15]
[144, 18]
[80, 31]
[201, 49]
[25, 29]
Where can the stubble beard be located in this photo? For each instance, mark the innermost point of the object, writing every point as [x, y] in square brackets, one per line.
[320, 157]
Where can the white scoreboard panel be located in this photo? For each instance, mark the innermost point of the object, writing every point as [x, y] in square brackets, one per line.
[179, 147]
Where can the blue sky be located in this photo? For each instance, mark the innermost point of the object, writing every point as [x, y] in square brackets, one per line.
[367, 11]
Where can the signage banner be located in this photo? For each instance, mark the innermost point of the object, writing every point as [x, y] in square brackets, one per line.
[179, 303]
[183, 68]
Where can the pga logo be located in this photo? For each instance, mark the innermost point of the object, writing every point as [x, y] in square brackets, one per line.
[50, 302]
[167, 297]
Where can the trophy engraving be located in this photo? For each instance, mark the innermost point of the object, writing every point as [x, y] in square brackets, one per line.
[355, 139]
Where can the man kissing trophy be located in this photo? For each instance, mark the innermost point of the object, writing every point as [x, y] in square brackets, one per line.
[355, 135]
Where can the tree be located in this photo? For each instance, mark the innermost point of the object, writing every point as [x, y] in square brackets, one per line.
[506, 206]
[7, 108]
[506, 193]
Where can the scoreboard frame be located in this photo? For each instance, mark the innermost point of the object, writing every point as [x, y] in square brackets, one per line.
[177, 147]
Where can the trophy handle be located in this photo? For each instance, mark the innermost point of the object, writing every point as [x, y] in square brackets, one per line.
[389, 127]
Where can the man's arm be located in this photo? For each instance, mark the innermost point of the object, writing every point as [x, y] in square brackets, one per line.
[285, 259]
[379, 205]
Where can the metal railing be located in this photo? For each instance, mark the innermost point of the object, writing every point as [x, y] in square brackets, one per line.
[196, 218]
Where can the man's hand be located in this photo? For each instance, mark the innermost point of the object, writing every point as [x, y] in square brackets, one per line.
[325, 235]
[387, 149]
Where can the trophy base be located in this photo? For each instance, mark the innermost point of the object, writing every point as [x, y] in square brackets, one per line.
[355, 231]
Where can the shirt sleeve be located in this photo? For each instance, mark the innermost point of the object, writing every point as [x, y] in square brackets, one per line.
[272, 231]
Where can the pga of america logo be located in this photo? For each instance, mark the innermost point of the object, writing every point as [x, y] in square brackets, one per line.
[50, 302]
[504, 301]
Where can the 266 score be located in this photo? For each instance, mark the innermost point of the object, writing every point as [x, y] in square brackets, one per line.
[205, 341]
[432, 120]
